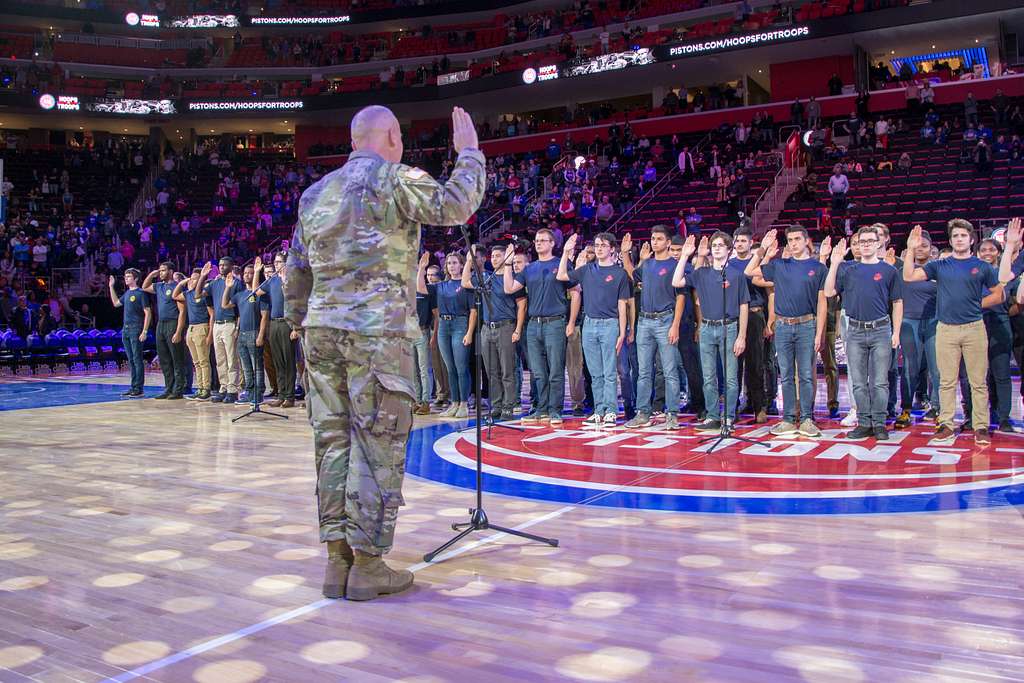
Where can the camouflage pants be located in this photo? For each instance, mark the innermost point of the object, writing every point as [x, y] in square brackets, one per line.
[360, 401]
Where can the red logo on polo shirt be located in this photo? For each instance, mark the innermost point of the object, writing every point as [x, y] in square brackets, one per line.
[877, 277]
[810, 273]
[663, 272]
[725, 284]
[609, 278]
[974, 271]
[458, 289]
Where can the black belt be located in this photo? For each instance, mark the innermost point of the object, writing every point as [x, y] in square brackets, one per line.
[278, 320]
[453, 317]
[719, 323]
[223, 322]
[656, 316]
[755, 309]
[499, 323]
[546, 318]
[868, 324]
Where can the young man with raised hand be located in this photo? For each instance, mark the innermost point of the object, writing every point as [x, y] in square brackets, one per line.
[960, 283]
[170, 330]
[199, 336]
[800, 309]
[253, 317]
[868, 287]
[136, 325]
[280, 337]
[547, 309]
[606, 292]
[225, 331]
[504, 315]
[723, 299]
[657, 332]
[754, 355]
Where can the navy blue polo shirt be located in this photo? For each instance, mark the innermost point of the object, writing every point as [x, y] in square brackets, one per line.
[708, 284]
[425, 305]
[797, 283]
[500, 306]
[919, 300]
[198, 312]
[545, 294]
[868, 290]
[250, 308]
[452, 299]
[657, 293]
[758, 296]
[134, 302]
[689, 314]
[961, 285]
[603, 288]
[274, 289]
[216, 291]
[166, 306]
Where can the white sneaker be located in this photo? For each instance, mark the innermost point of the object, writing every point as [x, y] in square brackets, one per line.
[610, 419]
[594, 419]
[851, 418]
[462, 411]
[449, 411]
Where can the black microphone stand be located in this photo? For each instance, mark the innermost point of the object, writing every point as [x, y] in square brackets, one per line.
[257, 372]
[478, 520]
[725, 433]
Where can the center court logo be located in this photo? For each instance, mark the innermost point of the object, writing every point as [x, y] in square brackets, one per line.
[650, 469]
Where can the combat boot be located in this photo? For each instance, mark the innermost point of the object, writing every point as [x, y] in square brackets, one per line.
[339, 562]
[370, 578]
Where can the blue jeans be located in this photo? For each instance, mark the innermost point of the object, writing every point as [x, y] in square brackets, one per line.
[868, 354]
[651, 337]
[421, 351]
[917, 339]
[599, 336]
[450, 334]
[133, 350]
[716, 343]
[545, 347]
[252, 364]
[794, 345]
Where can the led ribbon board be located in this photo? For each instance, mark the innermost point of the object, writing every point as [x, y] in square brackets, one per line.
[613, 61]
[746, 40]
[205, 21]
[131, 107]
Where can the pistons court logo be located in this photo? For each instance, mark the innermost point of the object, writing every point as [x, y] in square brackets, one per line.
[678, 470]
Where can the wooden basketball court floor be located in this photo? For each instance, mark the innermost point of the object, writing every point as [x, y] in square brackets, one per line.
[142, 540]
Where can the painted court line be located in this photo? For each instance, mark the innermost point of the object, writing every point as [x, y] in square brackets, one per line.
[227, 638]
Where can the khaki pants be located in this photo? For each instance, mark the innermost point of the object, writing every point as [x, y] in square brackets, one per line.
[225, 349]
[574, 368]
[199, 347]
[970, 342]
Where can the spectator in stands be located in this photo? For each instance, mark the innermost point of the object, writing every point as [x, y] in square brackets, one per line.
[927, 95]
[650, 176]
[838, 187]
[882, 133]
[553, 151]
[796, 113]
[737, 193]
[40, 255]
[912, 94]
[722, 184]
[971, 134]
[904, 164]
[983, 157]
[885, 165]
[928, 132]
[942, 134]
[21, 318]
[813, 112]
[685, 163]
[835, 85]
[970, 110]
[604, 212]
[692, 222]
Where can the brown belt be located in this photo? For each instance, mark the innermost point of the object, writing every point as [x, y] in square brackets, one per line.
[795, 321]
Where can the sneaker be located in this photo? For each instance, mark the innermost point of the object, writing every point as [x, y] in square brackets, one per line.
[202, 396]
[881, 433]
[174, 397]
[965, 427]
[449, 411]
[861, 432]
[610, 419]
[671, 422]
[851, 418]
[981, 437]
[784, 429]
[218, 397]
[944, 433]
[529, 419]
[809, 429]
[931, 414]
[127, 394]
[231, 398]
[593, 420]
[136, 394]
[1006, 427]
[163, 395]
[555, 421]
[441, 403]
[191, 397]
[495, 413]
[507, 414]
[761, 417]
[708, 425]
[289, 403]
[904, 419]
[462, 411]
[658, 413]
[640, 420]
[833, 412]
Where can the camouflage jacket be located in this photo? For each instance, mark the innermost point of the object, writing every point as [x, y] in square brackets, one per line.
[353, 256]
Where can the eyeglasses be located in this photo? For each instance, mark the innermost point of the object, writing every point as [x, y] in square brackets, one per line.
[867, 241]
[542, 241]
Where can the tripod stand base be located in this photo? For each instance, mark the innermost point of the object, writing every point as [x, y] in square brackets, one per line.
[726, 434]
[478, 522]
[255, 410]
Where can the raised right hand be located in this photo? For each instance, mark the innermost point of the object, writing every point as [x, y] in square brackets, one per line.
[463, 131]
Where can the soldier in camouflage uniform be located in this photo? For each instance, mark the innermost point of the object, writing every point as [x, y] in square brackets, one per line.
[350, 266]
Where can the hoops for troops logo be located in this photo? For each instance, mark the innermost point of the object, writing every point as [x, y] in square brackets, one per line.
[651, 469]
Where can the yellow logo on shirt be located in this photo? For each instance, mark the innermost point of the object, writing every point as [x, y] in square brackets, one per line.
[252, 299]
[132, 298]
[167, 292]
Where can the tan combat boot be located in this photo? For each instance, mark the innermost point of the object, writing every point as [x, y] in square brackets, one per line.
[339, 562]
[370, 578]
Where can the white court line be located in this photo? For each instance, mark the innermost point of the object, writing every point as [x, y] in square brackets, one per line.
[219, 641]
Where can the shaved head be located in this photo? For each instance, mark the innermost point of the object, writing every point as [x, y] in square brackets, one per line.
[375, 129]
